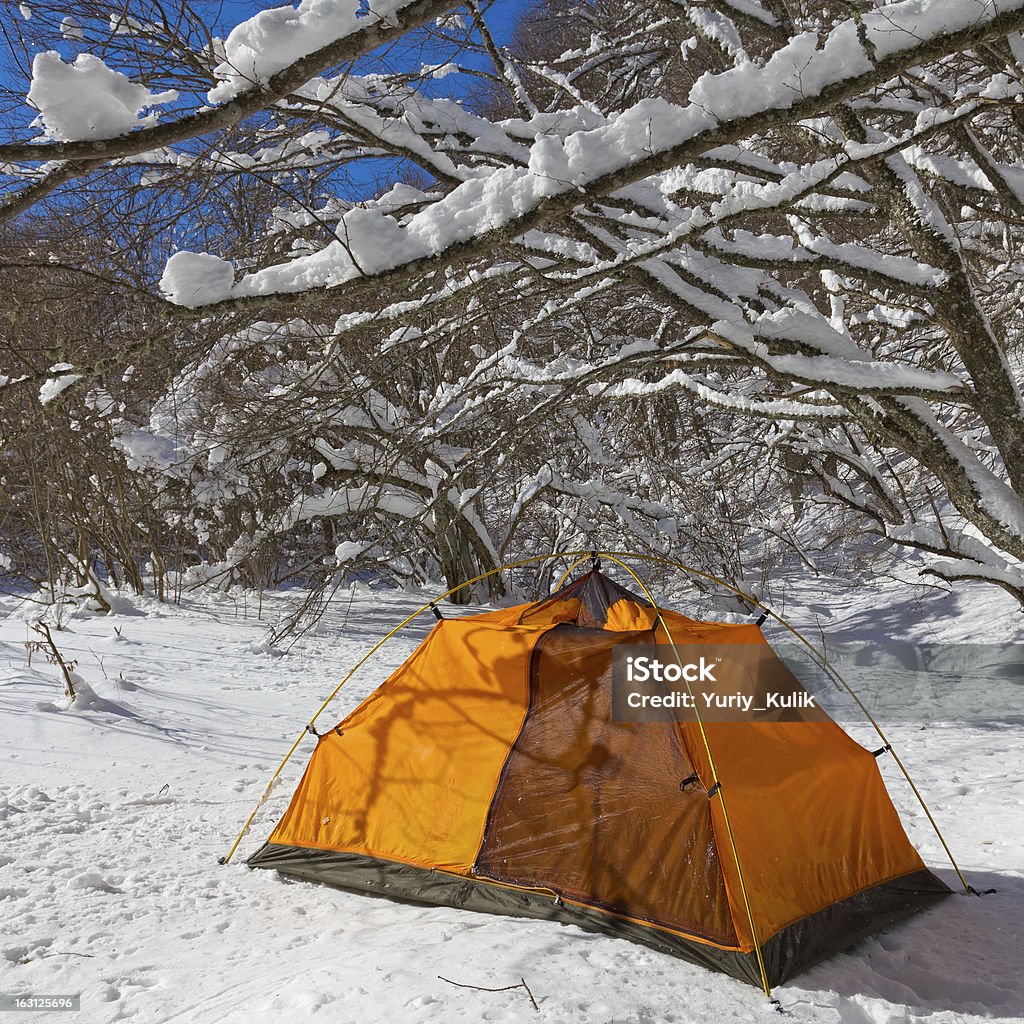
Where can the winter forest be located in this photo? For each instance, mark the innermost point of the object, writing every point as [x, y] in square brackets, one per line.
[311, 312]
[414, 290]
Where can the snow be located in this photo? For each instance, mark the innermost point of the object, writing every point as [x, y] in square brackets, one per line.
[270, 41]
[88, 100]
[718, 27]
[347, 550]
[888, 28]
[114, 817]
[734, 399]
[54, 386]
[565, 155]
[145, 449]
[368, 242]
[196, 278]
[796, 70]
[994, 495]
[71, 28]
[439, 70]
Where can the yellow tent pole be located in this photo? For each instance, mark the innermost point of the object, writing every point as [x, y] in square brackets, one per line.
[834, 673]
[582, 556]
[366, 657]
[714, 772]
[568, 572]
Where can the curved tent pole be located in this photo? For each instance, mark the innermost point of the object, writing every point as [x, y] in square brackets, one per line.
[359, 664]
[834, 673]
[573, 566]
[716, 787]
[582, 556]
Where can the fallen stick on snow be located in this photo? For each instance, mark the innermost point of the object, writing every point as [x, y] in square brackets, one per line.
[504, 988]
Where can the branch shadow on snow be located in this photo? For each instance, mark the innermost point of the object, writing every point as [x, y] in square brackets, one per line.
[184, 721]
[962, 956]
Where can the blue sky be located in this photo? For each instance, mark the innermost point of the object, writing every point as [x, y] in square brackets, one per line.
[501, 15]
[356, 181]
[219, 15]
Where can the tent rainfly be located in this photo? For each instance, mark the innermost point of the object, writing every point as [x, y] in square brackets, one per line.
[488, 773]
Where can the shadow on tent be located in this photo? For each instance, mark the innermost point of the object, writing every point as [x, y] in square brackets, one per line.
[963, 956]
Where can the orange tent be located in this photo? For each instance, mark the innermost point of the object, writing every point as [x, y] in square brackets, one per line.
[489, 772]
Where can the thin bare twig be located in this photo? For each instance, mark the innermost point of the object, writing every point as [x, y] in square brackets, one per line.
[504, 988]
[54, 657]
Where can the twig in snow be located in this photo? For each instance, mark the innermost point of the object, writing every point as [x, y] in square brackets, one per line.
[504, 988]
[530, 994]
[53, 656]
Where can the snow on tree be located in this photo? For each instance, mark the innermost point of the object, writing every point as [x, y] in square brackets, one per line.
[699, 272]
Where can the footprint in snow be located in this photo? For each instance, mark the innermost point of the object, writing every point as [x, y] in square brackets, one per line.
[92, 880]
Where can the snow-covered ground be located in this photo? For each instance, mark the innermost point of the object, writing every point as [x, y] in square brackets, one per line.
[113, 816]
